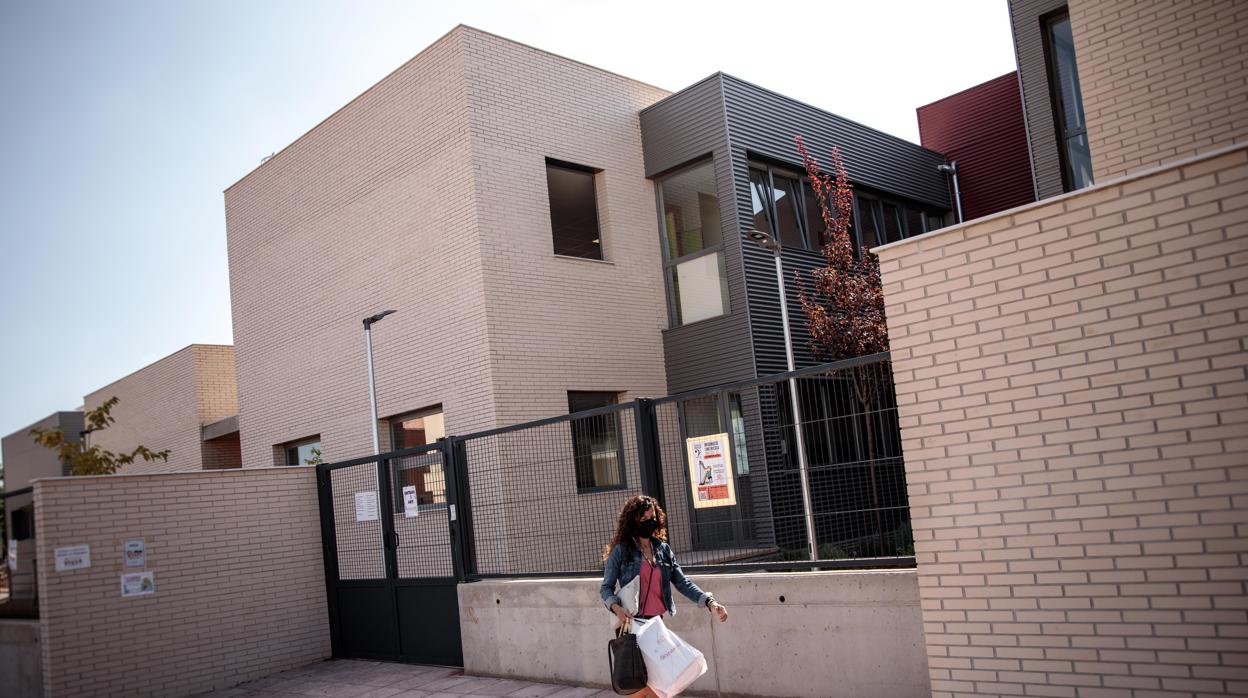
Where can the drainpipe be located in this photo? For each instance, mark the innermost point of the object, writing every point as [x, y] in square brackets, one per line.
[952, 169]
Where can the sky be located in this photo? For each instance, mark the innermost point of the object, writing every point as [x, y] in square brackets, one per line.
[123, 121]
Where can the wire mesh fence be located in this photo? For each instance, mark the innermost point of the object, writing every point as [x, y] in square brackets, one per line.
[747, 473]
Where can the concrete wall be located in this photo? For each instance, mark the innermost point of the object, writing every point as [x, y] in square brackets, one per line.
[240, 586]
[1162, 79]
[817, 634]
[20, 673]
[1074, 405]
[163, 405]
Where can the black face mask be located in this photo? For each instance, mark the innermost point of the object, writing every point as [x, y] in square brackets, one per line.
[648, 527]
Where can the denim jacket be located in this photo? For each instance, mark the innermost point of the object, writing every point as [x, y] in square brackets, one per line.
[620, 569]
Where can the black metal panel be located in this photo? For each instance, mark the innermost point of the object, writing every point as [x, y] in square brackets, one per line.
[1033, 77]
[429, 622]
[679, 129]
[762, 124]
[365, 621]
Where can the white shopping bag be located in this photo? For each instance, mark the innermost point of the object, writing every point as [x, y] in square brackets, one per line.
[629, 594]
[671, 663]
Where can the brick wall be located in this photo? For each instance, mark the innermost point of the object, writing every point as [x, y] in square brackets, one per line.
[1161, 79]
[240, 587]
[157, 408]
[1074, 409]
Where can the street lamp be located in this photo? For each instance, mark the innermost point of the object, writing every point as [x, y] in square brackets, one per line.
[372, 387]
[768, 242]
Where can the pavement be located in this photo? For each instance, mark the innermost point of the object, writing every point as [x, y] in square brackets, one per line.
[354, 678]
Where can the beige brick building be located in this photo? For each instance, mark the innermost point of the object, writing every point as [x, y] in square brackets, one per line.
[1072, 385]
[427, 194]
[167, 404]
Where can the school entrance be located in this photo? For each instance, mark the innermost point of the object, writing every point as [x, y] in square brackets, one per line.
[747, 473]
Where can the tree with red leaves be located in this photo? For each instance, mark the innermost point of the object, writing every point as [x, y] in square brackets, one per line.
[845, 309]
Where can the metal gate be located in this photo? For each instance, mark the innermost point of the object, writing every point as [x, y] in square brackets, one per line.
[394, 553]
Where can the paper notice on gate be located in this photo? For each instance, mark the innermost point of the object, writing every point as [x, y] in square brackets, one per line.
[366, 506]
[411, 505]
[710, 471]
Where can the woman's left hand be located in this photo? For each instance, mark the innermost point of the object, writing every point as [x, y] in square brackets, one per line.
[718, 609]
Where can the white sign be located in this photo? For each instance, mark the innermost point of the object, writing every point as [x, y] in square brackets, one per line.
[366, 506]
[710, 471]
[138, 584]
[134, 553]
[13, 554]
[411, 504]
[73, 557]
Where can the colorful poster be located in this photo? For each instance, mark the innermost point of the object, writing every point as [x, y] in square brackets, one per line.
[73, 557]
[366, 506]
[138, 584]
[411, 504]
[134, 553]
[13, 554]
[710, 471]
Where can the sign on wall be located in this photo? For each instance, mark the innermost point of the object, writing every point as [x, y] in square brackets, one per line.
[134, 553]
[138, 584]
[13, 554]
[73, 557]
[366, 506]
[710, 471]
[411, 504]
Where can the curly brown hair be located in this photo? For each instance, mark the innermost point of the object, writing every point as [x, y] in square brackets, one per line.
[626, 527]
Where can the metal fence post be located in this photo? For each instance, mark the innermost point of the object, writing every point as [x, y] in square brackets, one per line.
[385, 509]
[455, 470]
[649, 460]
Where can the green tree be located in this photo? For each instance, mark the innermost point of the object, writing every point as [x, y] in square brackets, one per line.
[85, 459]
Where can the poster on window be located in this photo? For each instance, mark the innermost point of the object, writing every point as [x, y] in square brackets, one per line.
[138, 584]
[710, 471]
[411, 504]
[73, 557]
[366, 506]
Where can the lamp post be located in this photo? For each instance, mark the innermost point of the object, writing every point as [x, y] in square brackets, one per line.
[768, 242]
[372, 386]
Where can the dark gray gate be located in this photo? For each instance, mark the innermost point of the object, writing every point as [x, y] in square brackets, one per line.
[391, 569]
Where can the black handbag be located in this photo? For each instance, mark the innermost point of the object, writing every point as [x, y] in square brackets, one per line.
[628, 669]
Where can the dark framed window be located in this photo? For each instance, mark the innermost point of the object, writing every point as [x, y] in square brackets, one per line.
[596, 449]
[573, 209]
[781, 203]
[882, 220]
[1067, 99]
[693, 244]
[303, 452]
[422, 471]
[23, 520]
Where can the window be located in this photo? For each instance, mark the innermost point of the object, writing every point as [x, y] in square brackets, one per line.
[693, 243]
[573, 210]
[23, 523]
[422, 471]
[1072, 132]
[596, 443]
[703, 416]
[781, 203]
[303, 452]
[883, 220]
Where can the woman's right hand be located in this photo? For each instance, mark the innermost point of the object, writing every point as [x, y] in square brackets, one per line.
[621, 613]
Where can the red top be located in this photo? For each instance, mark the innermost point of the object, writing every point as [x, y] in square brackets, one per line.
[651, 600]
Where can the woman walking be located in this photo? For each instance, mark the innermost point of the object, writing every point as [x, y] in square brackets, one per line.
[640, 549]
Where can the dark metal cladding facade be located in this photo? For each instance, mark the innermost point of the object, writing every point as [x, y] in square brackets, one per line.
[736, 121]
[1026, 19]
[683, 128]
[983, 129]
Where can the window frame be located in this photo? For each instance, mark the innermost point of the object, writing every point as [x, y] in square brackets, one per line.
[878, 200]
[593, 173]
[1057, 100]
[396, 469]
[769, 204]
[294, 445]
[670, 263]
[614, 416]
